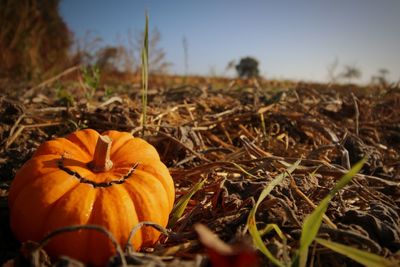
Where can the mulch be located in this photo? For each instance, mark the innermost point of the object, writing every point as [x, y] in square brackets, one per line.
[237, 137]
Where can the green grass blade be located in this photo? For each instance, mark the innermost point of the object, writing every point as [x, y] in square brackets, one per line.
[313, 221]
[180, 206]
[272, 226]
[251, 220]
[363, 257]
[145, 74]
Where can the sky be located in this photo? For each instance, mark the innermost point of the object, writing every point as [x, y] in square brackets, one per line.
[295, 39]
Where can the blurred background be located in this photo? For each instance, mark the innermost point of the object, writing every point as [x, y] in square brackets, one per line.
[354, 41]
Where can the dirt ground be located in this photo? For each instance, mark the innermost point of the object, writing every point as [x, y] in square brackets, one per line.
[238, 136]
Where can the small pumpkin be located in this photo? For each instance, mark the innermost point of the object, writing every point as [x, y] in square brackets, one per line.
[113, 180]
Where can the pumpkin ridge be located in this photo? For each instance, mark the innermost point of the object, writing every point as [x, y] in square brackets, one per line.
[49, 211]
[90, 221]
[61, 166]
[140, 196]
[136, 149]
[61, 146]
[159, 176]
[78, 147]
[142, 172]
[91, 256]
[131, 191]
[19, 186]
[120, 146]
[39, 232]
[141, 190]
[146, 176]
[80, 141]
[98, 246]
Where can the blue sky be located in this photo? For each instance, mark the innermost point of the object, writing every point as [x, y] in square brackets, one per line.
[295, 39]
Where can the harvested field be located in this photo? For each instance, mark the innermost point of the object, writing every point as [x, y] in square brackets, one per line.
[234, 138]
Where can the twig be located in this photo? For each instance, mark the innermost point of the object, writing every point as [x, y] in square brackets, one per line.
[128, 246]
[309, 202]
[361, 239]
[180, 143]
[17, 122]
[31, 91]
[49, 109]
[356, 112]
[12, 138]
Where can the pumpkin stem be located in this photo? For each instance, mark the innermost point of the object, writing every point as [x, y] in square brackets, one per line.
[101, 159]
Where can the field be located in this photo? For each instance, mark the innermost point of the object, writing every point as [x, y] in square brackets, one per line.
[225, 141]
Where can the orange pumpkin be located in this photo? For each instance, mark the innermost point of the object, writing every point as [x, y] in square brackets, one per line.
[113, 180]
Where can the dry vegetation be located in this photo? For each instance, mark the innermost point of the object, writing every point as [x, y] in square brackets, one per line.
[34, 41]
[237, 135]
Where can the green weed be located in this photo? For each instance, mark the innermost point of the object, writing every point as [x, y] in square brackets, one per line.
[180, 206]
[64, 97]
[91, 80]
[145, 74]
[311, 227]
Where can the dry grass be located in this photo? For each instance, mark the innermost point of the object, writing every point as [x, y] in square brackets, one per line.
[212, 129]
[33, 39]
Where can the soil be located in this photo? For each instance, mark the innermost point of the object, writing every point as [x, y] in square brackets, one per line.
[238, 135]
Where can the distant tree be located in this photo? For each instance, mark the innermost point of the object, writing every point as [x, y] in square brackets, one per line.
[381, 77]
[231, 65]
[107, 57]
[350, 73]
[247, 67]
[332, 71]
[383, 73]
[33, 38]
[112, 58]
[120, 57]
[85, 49]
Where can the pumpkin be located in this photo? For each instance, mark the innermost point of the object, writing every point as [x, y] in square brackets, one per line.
[113, 180]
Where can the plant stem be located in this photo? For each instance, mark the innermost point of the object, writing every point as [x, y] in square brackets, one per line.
[145, 74]
[101, 158]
